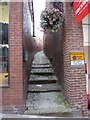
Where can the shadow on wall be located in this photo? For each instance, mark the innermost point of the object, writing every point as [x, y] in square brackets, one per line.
[53, 48]
[30, 44]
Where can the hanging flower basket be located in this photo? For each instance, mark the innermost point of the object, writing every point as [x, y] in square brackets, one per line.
[52, 20]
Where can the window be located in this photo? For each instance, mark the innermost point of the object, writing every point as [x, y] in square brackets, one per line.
[4, 40]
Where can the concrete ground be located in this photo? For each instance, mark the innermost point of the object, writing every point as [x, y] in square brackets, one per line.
[50, 104]
[36, 117]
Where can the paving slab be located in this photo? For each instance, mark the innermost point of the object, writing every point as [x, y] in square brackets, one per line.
[41, 62]
[37, 79]
[40, 58]
[44, 88]
[49, 103]
[42, 77]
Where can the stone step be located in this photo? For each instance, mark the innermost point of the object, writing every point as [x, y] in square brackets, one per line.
[42, 79]
[44, 88]
[48, 103]
[42, 66]
[41, 62]
[42, 71]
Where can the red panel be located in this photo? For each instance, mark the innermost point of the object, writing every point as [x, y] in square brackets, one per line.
[81, 9]
[88, 100]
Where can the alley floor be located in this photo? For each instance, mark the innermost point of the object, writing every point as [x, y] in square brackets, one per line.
[44, 92]
[45, 98]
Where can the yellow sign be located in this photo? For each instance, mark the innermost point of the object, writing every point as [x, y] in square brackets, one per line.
[4, 13]
[76, 56]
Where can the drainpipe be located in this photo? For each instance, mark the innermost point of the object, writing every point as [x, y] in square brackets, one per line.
[33, 19]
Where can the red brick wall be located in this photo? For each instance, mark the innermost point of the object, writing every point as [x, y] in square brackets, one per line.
[12, 96]
[75, 80]
[58, 46]
[29, 43]
[20, 38]
[53, 48]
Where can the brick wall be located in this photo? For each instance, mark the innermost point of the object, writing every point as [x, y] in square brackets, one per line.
[20, 38]
[58, 47]
[53, 43]
[30, 44]
[75, 80]
[12, 96]
[27, 45]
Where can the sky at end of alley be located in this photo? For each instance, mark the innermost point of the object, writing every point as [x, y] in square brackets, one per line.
[39, 6]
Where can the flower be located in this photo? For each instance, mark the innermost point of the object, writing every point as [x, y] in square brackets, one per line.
[51, 23]
[51, 19]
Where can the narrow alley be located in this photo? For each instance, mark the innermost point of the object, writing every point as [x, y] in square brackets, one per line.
[44, 92]
[44, 59]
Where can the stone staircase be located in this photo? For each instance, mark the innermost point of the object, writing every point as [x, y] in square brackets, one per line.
[44, 92]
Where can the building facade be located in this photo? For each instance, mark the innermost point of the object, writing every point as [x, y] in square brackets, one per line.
[86, 36]
[17, 47]
[61, 48]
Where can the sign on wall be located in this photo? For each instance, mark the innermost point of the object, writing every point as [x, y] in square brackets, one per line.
[77, 58]
[25, 55]
[81, 9]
